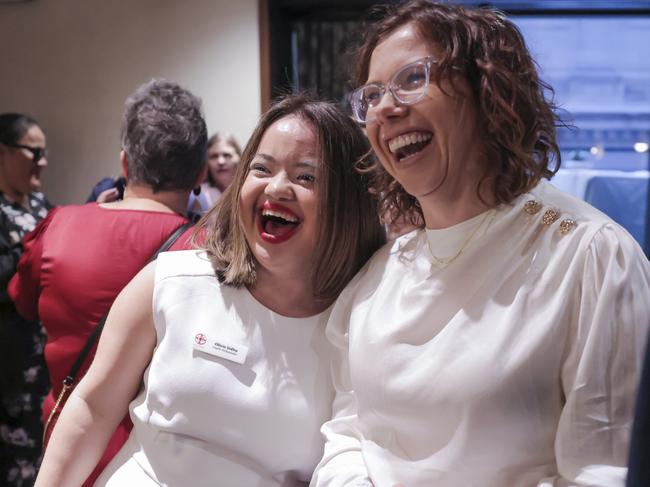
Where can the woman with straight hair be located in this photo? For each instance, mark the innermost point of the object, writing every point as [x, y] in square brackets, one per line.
[224, 154]
[219, 353]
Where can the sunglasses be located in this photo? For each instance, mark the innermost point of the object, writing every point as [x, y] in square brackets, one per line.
[37, 152]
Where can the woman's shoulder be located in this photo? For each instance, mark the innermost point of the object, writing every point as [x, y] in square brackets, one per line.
[399, 247]
[92, 220]
[580, 228]
[183, 263]
[568, 205]
[575, 217]
[121, 212]
[388, 259]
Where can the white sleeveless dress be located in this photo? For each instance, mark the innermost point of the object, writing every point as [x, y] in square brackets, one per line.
[203, 418]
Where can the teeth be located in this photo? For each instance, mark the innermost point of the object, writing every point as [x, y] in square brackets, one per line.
[406, 139]
[280, 214]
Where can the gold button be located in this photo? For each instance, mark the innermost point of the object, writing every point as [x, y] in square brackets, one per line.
[550, 216]
[566, 225]
[531, 207]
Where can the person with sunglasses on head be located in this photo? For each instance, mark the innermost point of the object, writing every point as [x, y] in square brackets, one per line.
[500, 343]
[23, 375]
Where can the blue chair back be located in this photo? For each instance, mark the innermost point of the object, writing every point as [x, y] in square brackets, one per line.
[624, 200]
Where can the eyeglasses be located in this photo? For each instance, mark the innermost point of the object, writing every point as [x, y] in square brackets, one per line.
[408, 86]
[37, 152]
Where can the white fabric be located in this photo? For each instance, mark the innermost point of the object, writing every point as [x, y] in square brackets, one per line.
[515, 365]
[212, 194]
[207, 421]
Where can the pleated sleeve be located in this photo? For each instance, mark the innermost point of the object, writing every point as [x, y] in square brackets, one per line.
[342, 463]
[609, 319]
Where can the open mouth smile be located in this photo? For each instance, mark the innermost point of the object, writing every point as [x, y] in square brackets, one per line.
[276, 223]
[407, 145]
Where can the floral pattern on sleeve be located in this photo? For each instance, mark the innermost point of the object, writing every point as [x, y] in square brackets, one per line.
[24, 380]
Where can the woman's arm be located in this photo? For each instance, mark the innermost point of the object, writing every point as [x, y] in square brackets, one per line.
[342, 463]
[601, 369]
[101, 399]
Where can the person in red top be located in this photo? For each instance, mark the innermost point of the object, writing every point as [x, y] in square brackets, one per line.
[80, 257]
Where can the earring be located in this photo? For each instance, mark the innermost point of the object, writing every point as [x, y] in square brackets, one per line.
[197, 191]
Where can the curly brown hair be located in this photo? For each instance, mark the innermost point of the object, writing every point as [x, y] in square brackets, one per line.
[517, 120]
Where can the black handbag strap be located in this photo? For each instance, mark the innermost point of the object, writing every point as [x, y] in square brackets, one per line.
[69, 380]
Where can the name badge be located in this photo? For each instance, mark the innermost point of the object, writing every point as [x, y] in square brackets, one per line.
[225, 349]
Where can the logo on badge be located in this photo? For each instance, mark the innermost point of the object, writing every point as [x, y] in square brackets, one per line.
[200, 338]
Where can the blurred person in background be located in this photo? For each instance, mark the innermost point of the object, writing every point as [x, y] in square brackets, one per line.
[23, 376]
[80, 257]
[224, 154]
[500, 343]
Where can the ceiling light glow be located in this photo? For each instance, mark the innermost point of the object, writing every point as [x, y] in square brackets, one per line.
[641, 147]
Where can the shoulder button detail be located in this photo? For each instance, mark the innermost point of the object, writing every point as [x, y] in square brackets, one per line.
[550, 216]
[567, 225]
[531, 207]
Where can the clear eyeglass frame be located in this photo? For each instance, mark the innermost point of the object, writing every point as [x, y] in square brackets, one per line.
[408, 85]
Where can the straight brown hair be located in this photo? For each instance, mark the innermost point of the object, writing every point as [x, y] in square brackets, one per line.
[350, 231]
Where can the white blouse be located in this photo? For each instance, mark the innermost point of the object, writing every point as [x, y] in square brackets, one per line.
[235, 393]
[516, 364]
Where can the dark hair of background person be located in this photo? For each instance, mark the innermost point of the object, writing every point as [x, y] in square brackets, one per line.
[349, 230]
[164, 136]
[226, 138]
[13, 126]
[518, 120]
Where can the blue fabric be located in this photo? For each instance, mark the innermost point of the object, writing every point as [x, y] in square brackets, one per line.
[103, 185]
[625, 200]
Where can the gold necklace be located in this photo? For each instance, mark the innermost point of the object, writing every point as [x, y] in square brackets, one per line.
[445, 261]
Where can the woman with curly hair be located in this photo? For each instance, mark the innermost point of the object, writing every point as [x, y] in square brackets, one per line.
[500, 343]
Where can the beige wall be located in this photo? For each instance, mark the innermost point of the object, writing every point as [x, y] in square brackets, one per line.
[72, 63]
